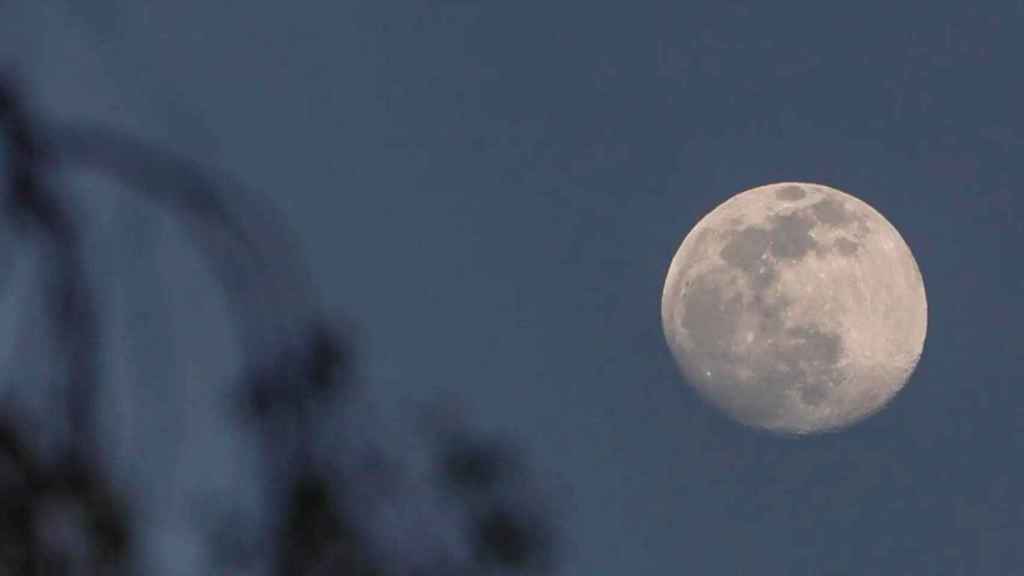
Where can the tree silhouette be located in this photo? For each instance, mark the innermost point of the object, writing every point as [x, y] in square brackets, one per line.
[62, 514]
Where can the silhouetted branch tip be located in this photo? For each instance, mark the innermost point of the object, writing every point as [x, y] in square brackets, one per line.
[316, 531]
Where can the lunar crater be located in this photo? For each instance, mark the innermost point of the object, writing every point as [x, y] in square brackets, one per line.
[845, 246]
[790, 192]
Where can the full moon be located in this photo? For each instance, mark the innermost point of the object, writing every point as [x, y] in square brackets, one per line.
[795, 308]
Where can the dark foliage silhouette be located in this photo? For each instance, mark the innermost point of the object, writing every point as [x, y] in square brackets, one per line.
[63, 515]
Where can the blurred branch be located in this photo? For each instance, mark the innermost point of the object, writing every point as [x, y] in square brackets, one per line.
[34, 205]
[294, 358]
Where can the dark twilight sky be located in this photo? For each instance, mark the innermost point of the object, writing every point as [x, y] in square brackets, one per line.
[493, 192]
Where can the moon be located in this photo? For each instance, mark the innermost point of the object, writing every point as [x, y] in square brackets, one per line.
[795, 308]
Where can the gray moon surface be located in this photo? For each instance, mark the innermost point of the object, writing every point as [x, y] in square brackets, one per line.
[796, 308]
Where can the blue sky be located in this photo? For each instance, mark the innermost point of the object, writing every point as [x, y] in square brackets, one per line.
[494, 190]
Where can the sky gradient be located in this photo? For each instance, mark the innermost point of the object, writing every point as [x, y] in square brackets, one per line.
[493, 191]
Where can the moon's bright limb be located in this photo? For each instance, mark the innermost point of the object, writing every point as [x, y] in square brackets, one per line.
[795, 307]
